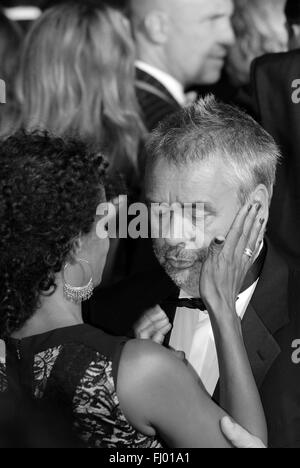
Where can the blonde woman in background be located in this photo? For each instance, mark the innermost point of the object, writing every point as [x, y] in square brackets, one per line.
[10, 40]
[77, 78]
[260, 28]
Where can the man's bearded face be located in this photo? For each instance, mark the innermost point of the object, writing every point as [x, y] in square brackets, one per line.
[196, 184]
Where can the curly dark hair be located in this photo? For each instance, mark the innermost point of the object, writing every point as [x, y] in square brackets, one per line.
[50, 189]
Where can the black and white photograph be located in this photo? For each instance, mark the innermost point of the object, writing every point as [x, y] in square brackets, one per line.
[150, 227]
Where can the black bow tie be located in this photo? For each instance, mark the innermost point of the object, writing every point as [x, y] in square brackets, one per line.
[197, 303]
[193, 303]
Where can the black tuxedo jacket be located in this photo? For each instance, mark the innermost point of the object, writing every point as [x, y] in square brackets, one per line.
[270, 325]
[154, 99]
[272, 79]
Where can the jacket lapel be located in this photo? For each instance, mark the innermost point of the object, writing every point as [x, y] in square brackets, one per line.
[153, 87]
[267, 313]
[170, 310]
[262, 348]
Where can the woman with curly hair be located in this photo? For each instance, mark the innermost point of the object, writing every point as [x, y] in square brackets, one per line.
[10, 42]
[77, 78]
[117, 392]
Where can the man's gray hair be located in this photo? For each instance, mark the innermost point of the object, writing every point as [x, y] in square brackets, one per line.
[209, 130]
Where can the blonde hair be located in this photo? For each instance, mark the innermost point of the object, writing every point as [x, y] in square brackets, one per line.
[10, 42]
[77, 78]
[260, 28]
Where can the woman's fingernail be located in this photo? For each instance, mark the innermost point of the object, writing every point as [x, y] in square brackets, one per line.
[250, 208]
[258, 207]
[219, 240]
[262, 220]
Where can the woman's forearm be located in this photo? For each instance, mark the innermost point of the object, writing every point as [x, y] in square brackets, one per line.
[239, 396]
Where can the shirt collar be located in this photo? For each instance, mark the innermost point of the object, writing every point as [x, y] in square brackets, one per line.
[174, 87]
[242, 303]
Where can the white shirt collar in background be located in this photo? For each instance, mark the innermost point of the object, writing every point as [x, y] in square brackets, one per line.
[171, 84]
[23, 13]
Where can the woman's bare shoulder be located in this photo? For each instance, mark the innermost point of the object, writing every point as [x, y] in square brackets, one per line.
[147, 362]
[140, 351]
[147, 373]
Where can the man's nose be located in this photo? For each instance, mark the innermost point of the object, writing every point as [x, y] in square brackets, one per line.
[174, 242]
[228, 35]
[180, 231]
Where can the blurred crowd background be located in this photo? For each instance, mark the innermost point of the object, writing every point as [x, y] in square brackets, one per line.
[63, 88]
[73, 72]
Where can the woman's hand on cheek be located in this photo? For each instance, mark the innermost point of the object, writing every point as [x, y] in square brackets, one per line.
[227, 265]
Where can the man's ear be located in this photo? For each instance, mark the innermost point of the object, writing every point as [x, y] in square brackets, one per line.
[261, 196]
[156, 26]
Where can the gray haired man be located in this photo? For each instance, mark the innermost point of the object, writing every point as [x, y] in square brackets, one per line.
[214, 156]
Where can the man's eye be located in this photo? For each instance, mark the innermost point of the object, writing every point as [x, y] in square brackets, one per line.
[202, 217]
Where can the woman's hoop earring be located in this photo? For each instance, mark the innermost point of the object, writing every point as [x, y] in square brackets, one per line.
[78, 294]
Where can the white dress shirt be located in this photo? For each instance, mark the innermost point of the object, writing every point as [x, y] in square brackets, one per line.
[192, 333]
[171, 84]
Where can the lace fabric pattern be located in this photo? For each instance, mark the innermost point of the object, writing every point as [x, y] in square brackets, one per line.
[83, 378]
[43, 365]
[79, 378]
[3, 378]
[100, 421]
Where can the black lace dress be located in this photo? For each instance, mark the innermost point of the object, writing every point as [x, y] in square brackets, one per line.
[75, 368]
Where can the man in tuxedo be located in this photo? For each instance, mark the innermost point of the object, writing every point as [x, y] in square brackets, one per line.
[276, 99]
[215, 156]
[275, 80]
[292, 12]
[180, 43]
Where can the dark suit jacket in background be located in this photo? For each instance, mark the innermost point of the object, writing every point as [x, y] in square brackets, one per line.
[154, 99]
[270, 325]
[272, 78]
